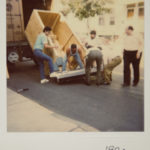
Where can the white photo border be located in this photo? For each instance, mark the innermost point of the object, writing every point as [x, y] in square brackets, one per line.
[72, 141]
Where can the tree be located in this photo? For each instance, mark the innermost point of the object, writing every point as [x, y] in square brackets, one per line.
[84, 9]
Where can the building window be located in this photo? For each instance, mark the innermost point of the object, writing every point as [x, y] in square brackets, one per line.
[141, 9]
[112, 21]
[141, 4]
[141, 12]
[101, 20]
[130, 13]
[130, 10]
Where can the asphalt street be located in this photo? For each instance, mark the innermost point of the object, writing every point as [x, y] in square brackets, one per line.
[107, 108]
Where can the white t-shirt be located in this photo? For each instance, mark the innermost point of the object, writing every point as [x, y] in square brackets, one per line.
[132, 42]
[95, 43]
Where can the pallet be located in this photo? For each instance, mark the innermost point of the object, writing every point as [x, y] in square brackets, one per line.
[65, 76]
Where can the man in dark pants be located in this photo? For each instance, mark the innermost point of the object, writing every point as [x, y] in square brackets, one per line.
[93, 54]
[131, 55]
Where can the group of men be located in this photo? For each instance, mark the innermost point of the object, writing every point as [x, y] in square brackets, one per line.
[94, 53]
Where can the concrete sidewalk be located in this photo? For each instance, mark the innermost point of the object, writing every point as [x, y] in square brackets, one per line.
[24, 115]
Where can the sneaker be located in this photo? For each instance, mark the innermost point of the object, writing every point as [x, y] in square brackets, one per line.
[44, 81]
[88, 83]
[54, 74]
[106, 83]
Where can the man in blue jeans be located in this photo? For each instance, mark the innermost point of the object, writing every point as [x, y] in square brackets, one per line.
[76, 53]
[60, 61]
[40, 44]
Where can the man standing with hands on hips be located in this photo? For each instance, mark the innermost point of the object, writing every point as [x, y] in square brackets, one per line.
[132, 55]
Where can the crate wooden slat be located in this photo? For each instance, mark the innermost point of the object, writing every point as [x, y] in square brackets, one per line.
[63, 32]
[34, 27]
[49, 19]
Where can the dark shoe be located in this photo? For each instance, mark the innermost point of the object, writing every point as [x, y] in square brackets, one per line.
[125, 85]
[98, 83]
[106, 83]
[135, 84]
[87, 82]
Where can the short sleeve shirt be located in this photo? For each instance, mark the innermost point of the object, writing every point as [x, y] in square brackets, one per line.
[40, 41]
[95, 43]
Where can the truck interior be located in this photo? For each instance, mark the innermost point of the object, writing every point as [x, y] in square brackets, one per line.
[28, 7]
[17, 49]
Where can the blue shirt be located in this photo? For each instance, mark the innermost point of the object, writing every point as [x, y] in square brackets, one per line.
[40, 41]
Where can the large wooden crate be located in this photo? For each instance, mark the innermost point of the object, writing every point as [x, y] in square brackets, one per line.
[63, 32]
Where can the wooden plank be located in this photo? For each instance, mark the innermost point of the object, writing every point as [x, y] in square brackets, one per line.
[56, 21]
[34, 27]
[74, 39]
[63, 32]
[48, 18]
[67, 41]
[66, 36]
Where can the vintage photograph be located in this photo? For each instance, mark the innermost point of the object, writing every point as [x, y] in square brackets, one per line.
[75, 65]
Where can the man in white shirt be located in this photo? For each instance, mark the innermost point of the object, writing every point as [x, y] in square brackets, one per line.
[131, 55]
[93, 53]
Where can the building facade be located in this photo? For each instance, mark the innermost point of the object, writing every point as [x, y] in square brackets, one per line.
[123, 14]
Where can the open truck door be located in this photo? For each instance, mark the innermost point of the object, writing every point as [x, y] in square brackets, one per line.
[18, 14]
[25, 20]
